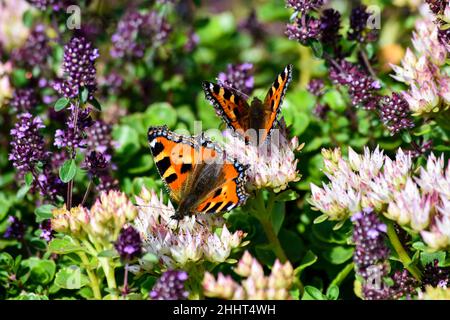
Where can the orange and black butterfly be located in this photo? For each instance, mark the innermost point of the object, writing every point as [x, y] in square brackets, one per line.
[198, 174]
[240, 116]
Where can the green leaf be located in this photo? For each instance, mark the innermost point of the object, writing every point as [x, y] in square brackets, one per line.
[28, 178]
[68, 170]
[107, 254]
[308, 260]
[22, 191]
[71, 278]
[41, 271]
[333, 292]
[44, 212]
[94, 102]
[28, 18]
[338, 225]
[285, 196]
[317, 49]
[61, 103]
[429, 257]
[338, 254]
[406, 136]
[64, 246]
[150, 258]
[160, 113]
[320, 218]
[84, 94]
[312, 293]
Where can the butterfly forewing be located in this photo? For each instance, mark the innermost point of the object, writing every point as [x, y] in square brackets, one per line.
[197, 173]
[274, 98]
[239, 116]
[233, 109]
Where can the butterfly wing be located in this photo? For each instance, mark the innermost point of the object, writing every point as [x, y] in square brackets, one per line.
[182, 161]
[229, 190]
[231, 107]
[274, 99]
[174, 157]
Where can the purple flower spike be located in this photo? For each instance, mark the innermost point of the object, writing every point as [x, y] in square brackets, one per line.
[170, 286]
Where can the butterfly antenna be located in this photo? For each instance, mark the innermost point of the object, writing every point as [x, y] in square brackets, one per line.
[242, 94]
[196, 220]
[151, 206]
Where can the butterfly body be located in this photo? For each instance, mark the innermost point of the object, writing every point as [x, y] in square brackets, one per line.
[197, 173]
[260, 116]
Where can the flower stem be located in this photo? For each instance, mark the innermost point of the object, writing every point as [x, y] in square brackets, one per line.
[262, 213]
[402, 254]
[340, 277]
[73, 154]
[93, 280]
[109, 274]
[125, 290]
[88, 189]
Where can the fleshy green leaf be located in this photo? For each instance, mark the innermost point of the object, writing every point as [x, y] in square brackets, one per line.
[333, 292]
[312, 293]
[63, 246]
[71, 278]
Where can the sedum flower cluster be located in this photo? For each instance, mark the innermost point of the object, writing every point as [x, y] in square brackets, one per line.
[101, 224]
[422, 70]
[416, 198]
[271, 165]
[179, 243]
[255, 286]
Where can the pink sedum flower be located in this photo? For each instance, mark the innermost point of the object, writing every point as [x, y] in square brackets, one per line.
[255, 285]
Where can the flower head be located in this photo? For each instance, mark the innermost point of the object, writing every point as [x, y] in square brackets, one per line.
[15, 229]
[136, 31]
[395, 113]
[316, 87]
[272, 164]
[359, 26]
[27, 143]
[102, 223]
[304, 30]
[179, 243]
[436, 276]
[170, 286]
[129, 243]
[238, 77]
[46, 230]
[35, 50]
[79, 67]
[369, 235]
[255, 285]
[24, 100]
[305, 6]
[73, 135]
[330, 23]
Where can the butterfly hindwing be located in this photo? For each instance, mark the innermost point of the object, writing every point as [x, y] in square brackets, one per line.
[228, 105]
[274, 98]
[229, 192]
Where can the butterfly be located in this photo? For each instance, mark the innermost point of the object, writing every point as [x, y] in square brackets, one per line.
[240, 116]
[198, 174]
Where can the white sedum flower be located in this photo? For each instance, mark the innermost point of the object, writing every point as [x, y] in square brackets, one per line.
[272, 165]
[178, 243]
